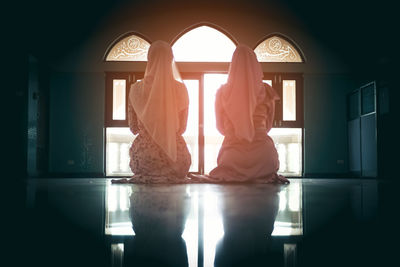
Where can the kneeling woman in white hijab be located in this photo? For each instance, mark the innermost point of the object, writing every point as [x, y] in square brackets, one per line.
[158, 110]
[245, 109]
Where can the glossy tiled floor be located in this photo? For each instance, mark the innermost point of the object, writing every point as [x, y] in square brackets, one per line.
[311, 222]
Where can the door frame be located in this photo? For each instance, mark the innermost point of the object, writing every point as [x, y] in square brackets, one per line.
[277, 78]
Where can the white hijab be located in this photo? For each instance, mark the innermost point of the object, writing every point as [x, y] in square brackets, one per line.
[243, 91]
[158, 99]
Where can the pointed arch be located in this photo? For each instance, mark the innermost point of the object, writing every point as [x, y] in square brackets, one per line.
[128, 47]
[204, 42]
[278, 48]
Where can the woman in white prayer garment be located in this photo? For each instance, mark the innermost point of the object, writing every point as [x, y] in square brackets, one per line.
[245, 109]
[157, 113]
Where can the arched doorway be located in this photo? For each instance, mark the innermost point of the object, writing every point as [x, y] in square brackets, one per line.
[203, 53]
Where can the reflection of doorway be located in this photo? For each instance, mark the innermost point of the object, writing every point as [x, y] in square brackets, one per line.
[201, 136]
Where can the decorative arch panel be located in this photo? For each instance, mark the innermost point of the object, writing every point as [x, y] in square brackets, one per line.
[130, 48]
[277, 49]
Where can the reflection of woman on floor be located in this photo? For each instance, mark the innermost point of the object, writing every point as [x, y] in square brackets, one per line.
[158, 110]
[158, 216]
[245, 109]
[248, 217]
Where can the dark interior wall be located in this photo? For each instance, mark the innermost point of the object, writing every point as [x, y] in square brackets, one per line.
[77, 80]
[76, 122]
[33, 93]
[246, 22]
[325, 124]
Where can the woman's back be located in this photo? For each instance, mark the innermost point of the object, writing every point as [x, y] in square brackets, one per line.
[158, 107]
[262, 117]
[244, 114]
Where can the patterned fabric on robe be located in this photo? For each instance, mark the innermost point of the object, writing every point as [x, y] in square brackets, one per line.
[148, 161]
[240, 160]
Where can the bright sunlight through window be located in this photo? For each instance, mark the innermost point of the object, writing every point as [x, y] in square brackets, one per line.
[203, 44]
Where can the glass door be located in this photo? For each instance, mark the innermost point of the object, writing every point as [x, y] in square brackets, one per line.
[118, 137]
[287, 131]
[201, 120]
[201, 135]
[194, 130]
[212, 138]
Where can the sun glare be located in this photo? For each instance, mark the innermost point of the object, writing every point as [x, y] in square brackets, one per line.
[212, 138]
[203, 44]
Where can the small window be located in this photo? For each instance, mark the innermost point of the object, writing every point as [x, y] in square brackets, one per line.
[277, 49]
[269, 82]
[118, 142]
[368, 99]
[130, 48]
[289, 144]
[119, 102]
[289, 100]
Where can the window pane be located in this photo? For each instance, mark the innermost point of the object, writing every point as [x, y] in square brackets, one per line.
[191, 135]
[269, 82]
[204, 44]
[368, 99]
[288, 142]
[118, 142]
[277, 49]
[212, 138]
[119, 91]
[289, 100]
